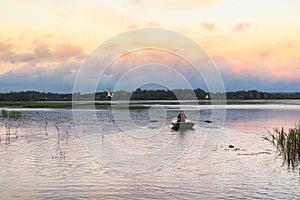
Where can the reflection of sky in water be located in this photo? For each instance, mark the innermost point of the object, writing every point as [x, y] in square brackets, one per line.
[39, 164]
[258, 120]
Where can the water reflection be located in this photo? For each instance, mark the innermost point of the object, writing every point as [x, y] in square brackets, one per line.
[44, 157]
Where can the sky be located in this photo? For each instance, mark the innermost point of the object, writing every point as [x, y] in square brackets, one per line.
[254, 43]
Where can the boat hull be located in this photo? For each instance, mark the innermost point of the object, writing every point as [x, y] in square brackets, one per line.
[187, 124]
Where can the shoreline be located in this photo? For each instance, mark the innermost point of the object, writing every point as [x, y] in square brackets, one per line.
[64, 105]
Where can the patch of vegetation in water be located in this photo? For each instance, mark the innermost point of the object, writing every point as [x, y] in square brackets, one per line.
[287, 143]
[4, 113]
[130, 107]
[10, 114]
[47, 104]
[138, 107]
[33, 104]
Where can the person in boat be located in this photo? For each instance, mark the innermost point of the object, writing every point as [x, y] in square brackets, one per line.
[181, 117]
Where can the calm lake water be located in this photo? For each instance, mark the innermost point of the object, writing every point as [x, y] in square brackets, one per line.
[121, 154]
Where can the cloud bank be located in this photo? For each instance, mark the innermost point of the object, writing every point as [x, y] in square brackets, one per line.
[54, 70]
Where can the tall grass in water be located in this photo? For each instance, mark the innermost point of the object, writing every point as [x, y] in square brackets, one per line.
[287, 143]
[10, 114]
[4, 113]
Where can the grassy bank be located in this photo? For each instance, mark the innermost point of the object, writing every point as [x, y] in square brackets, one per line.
[287, 143]
[57, 105]
[33, 104]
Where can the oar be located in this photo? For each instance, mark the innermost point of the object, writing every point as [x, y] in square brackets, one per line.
[163, 120]
[201, 120]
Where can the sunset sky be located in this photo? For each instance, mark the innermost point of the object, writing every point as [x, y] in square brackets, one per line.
[254, 43]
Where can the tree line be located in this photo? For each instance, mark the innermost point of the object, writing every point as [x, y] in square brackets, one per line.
[139, 94]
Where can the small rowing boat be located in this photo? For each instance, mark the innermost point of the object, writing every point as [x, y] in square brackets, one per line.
[187, 124]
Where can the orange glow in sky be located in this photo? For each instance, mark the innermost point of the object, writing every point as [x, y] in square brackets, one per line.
[253, 39]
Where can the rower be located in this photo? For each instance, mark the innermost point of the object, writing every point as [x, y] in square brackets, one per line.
[181, 117]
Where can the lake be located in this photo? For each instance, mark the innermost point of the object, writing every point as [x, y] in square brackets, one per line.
[134, 154]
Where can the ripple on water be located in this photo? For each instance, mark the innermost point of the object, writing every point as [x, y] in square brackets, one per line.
[39, 165]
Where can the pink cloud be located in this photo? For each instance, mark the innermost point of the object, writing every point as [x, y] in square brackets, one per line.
[135, 2]
[61, 15]
[285, 72]
[67, 51]
[5, 47]
[248, 67]
[264, 54]
[218, 58]
[150, 56]
[178, 4]
[42, 51]
[242, 25]
[277, 72]
[133, 26]
[151, 24]
[289, 44]
[208, 26]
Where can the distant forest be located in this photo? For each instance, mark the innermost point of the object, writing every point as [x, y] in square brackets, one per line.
[139, 94]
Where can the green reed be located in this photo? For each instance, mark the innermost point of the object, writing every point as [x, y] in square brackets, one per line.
[10, 114]
[4, 113]
[287, 143]
[14, 115]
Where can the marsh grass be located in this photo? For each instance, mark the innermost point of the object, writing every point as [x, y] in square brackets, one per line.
[10, 114]
[57, 105]
[287, 143]
[14, 115]
[4, 113]
[32, 104]
[130, 107]
[7, 140]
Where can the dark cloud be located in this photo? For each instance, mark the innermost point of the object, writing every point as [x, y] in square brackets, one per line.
[44, 68]
[58, 79]
[36, 73]
[244, 81]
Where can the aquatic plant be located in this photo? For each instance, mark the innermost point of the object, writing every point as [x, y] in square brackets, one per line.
[7, 140]
[10, 114]
[130, 107]
[36, 104]
[67, 105]
[46, 131]
[288, 144]
[58, 134]
[4, 113]
[14, 115]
